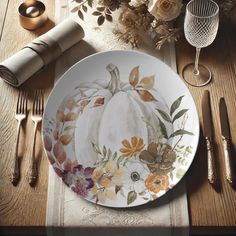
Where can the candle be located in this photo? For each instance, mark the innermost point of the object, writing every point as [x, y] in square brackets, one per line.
[32, 11]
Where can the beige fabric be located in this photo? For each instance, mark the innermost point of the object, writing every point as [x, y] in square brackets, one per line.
[47, 48]
[16, 70]
[69, 215]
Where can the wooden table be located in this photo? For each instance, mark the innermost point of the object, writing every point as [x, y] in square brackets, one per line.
[23, 208]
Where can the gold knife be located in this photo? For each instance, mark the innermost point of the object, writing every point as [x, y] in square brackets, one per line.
[225, 133]
[208, 133]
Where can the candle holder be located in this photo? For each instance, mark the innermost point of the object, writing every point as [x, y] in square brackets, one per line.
[32, 14]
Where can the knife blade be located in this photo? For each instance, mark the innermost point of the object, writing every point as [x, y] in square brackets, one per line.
[226, 139]
[208, 133]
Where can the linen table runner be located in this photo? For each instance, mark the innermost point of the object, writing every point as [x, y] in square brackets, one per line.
[165, 216]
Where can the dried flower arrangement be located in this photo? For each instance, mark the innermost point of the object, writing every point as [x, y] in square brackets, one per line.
[163, 19]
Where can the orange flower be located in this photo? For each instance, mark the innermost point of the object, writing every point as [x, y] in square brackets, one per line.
[156, 183]
[133, 148]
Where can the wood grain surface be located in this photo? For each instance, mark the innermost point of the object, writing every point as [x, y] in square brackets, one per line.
[209, 206]
[21, 205]
[212, 211]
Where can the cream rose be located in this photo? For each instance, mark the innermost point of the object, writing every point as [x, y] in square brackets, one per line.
[137, 3]
[166, 10]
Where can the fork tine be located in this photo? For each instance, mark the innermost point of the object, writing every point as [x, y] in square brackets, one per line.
[25, 102]
[18, 104]
[42, 101]
[37, 102]
[34, 103]
[21, 102]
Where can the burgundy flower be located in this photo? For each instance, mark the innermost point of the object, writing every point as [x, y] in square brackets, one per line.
[79, 179]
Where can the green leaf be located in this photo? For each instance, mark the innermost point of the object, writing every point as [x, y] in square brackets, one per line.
[96, 148]
[180, 173]
[80, 14]
[165, 116]
[101, 9]
[114, 156]
[163, 129]
[108, 17]
[132, 195]
[100, 20]
[109, 153]
[120, 159]
[84, 8]
[188, 149]
[180, 132]
[179, 114]
[90, 3]
[96, 13]
[108, 11]
[69, 128]
[175, 105]
[125, 162]
[104, 151]
[75, 9]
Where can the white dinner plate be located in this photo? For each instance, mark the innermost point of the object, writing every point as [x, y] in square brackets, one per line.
[120, 128]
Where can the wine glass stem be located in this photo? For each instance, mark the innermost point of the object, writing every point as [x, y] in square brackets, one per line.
[196, 70]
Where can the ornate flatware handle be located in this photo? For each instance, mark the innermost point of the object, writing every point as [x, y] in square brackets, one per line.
[228, 161]
[32, 173]
[210, 162]
[15, 173]
[33, 170]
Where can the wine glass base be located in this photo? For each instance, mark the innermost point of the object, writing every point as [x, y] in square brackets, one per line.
[197, 80]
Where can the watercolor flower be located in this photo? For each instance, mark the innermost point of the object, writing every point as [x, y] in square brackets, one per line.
[159, 158]
[109, 175]
[156, 183]
[80, 179]
[105, 179]
[132, 148]
[135, 175]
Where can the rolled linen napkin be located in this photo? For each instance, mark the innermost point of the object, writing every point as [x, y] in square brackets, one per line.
[40, 52]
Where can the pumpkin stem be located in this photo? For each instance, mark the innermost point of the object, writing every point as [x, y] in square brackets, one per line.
[114, 85]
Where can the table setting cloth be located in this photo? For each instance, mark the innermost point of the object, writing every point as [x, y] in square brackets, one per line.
[165, 216]
[218, 217]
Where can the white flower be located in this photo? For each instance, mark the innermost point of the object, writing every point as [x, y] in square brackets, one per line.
[165, 10]
[135, 175]
[137, 3]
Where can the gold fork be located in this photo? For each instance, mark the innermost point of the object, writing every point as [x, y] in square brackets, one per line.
[37, 115]
[21, 110]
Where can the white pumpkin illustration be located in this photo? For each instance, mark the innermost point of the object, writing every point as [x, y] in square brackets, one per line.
[115, 112]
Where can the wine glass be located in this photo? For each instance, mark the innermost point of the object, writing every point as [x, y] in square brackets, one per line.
[200, 28]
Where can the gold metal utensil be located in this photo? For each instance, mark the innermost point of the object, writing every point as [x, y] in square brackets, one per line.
[208, 134]
[226, 139]
[21, 112]
[37, 115]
